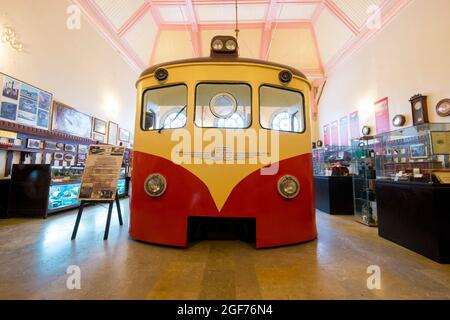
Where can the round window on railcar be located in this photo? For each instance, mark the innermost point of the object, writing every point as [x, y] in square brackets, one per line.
[223, 105]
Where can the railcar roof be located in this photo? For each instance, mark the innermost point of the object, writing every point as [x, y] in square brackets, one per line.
[294, 71]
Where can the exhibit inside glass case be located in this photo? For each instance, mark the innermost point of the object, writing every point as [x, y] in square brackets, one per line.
[419, 154]
[333, 169]
[328, 159]
[413, 188]
[364, 181]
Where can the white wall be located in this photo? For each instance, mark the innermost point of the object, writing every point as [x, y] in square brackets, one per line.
[410, 55]
[79, 67]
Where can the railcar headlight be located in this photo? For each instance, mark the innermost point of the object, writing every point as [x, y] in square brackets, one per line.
[161, 74]
[155, 185]
[217, 45]
[231, 45]
[288, 187]
[285, 76]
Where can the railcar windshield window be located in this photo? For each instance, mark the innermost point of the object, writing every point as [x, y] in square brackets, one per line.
[165, 108]
[223, 105]
[282, 109]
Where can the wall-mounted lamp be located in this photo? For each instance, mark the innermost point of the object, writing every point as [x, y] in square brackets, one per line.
[8, 35]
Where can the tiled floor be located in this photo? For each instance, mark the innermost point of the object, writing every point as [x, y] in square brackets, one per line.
[35, 254]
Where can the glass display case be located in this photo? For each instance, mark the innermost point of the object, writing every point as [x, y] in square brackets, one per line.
[64, 188]
[415, 154]
[327, 158]
[365, 206]
[63, 196]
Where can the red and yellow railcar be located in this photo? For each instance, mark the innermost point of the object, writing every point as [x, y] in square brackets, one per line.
[184, 167]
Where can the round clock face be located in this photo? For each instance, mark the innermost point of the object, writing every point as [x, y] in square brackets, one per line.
[399, 120]
[418, 106]
[443, 108]
[366, 130]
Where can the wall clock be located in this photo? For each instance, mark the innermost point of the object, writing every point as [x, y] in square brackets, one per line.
[366, 130]
[399, 120]
[419, 109]
[443, 108]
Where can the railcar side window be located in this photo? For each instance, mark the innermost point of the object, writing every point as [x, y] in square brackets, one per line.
[223, 105]
[281, 109]
[165, 108]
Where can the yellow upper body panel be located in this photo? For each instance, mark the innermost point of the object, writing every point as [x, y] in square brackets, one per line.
[222, 178]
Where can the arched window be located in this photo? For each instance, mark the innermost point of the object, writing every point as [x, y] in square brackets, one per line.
[284, 121]
[174, 120]
[235, 121]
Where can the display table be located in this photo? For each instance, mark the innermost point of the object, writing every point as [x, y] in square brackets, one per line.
[334, 195]
[417, 216]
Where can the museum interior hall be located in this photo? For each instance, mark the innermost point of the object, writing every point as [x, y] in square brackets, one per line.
[224, 150]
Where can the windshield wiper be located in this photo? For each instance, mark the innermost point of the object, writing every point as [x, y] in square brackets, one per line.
[176, 117]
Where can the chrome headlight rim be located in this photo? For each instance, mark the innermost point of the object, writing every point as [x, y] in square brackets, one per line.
[281, 183]
[231, 45]
[217, 45]
[164, 184]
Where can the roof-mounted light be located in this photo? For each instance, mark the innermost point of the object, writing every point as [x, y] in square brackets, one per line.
[224, 46]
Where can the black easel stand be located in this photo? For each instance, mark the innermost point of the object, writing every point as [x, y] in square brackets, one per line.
[108, 221]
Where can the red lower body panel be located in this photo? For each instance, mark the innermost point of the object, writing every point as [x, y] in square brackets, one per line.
[279, 221]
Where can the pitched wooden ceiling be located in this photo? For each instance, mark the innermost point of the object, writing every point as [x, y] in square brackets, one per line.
[311, 35]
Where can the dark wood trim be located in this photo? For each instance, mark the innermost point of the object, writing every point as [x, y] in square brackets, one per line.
[18, 128]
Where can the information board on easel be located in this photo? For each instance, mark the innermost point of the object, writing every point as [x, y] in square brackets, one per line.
[99, 182]
[101, 173]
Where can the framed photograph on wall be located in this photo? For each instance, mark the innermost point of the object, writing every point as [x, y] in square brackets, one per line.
[99, 137]
[71, 121]
[419, 151]
[23, 103]
[100, 126]
[124, 135]
[33, 144]
[113, 132]
[50, 145]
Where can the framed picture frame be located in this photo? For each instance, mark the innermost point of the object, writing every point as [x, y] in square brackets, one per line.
[100, 126]
[50, 145]
[60, 146]
[69, 157]
[68, 120]
[98, 137]
[70, 148]
[124, 135]
[23, 103]
[58, 156]
[418, 151]
[113, 132]
[33, 144]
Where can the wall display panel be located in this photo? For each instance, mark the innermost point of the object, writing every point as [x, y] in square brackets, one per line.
[24, 104]
[382, 116]
[71, 121]
[334, 131]
[113, 132]
[124, 135]
[100, 126]
[343, 129]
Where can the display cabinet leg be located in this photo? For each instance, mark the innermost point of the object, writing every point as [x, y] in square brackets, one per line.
[77, 223]
[108, 221]
[119, 211]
